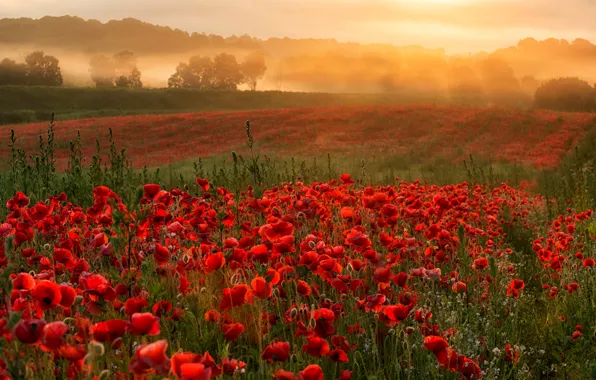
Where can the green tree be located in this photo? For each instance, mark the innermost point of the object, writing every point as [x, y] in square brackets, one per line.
[102, 70]
[500, 84]
[253, 69]
[566, 94]
[227, 74]
[43, 70]
[12, 73]
[197, 73]
[126, 71]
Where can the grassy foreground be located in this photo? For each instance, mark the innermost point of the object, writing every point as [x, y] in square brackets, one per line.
[25, 104]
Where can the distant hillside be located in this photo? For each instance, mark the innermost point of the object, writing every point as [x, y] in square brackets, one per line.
[146, 38]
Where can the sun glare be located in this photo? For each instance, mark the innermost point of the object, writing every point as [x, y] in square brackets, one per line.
[422, 2]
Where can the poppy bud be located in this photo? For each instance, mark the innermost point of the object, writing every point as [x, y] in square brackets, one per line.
[88, 359]
[117, 343]
[96, 349]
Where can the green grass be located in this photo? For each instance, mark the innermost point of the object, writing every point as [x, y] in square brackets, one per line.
[21, 104]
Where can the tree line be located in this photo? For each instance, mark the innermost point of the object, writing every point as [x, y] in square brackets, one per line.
[489, 81]
[119, 70]
[38, 69]
[223, 72]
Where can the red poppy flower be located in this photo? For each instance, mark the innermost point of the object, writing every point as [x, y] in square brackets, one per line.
[232, 331]
[316, 347]
[28, 331]
[161, 308]
[510, 354]
[151, 358]
[303, 288]
[232, 366]
[589, 262]
[144, 324]
[396, 313]
[183, 358]
[203, 183]
[73, 352]
[514, 287]
[375, 302]
[101, 191]
[277, 230]
[338, 355]
[212, 316]
[214, 262]
[281, 374]
[68, 295]
[346, 180]
[151, 190]
[195, 371]
[47, 294]
[480, 263]
[161, 254]
[276, 352]
[345, 375]
[312, 372]
[53, 334]
[459, 287]
[134, 305]
[261, 288]
[23, 281]
[235, 296]
[469, 369]
[230, 242]
[435, 343]
[98, 288]
[62, 256]
[110, 330]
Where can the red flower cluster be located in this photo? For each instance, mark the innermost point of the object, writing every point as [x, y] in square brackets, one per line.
[302, 274]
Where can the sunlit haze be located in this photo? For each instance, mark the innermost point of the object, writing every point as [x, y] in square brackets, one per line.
[456, 25]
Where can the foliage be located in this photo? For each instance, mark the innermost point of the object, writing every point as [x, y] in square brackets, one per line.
[566, 94]
[38, 69]
[221, 73]
[253, 69]
[120, 70]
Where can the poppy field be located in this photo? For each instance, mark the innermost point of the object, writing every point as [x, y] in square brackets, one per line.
[329, 280]
[418, 134]
[251, 272]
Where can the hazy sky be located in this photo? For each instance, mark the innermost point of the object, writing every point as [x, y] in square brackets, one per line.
[457, 25]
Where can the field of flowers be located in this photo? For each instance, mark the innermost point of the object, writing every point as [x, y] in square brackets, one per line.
[421, 134]
[326, 280]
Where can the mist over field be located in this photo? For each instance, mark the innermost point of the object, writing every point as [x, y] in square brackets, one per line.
[323, 65]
